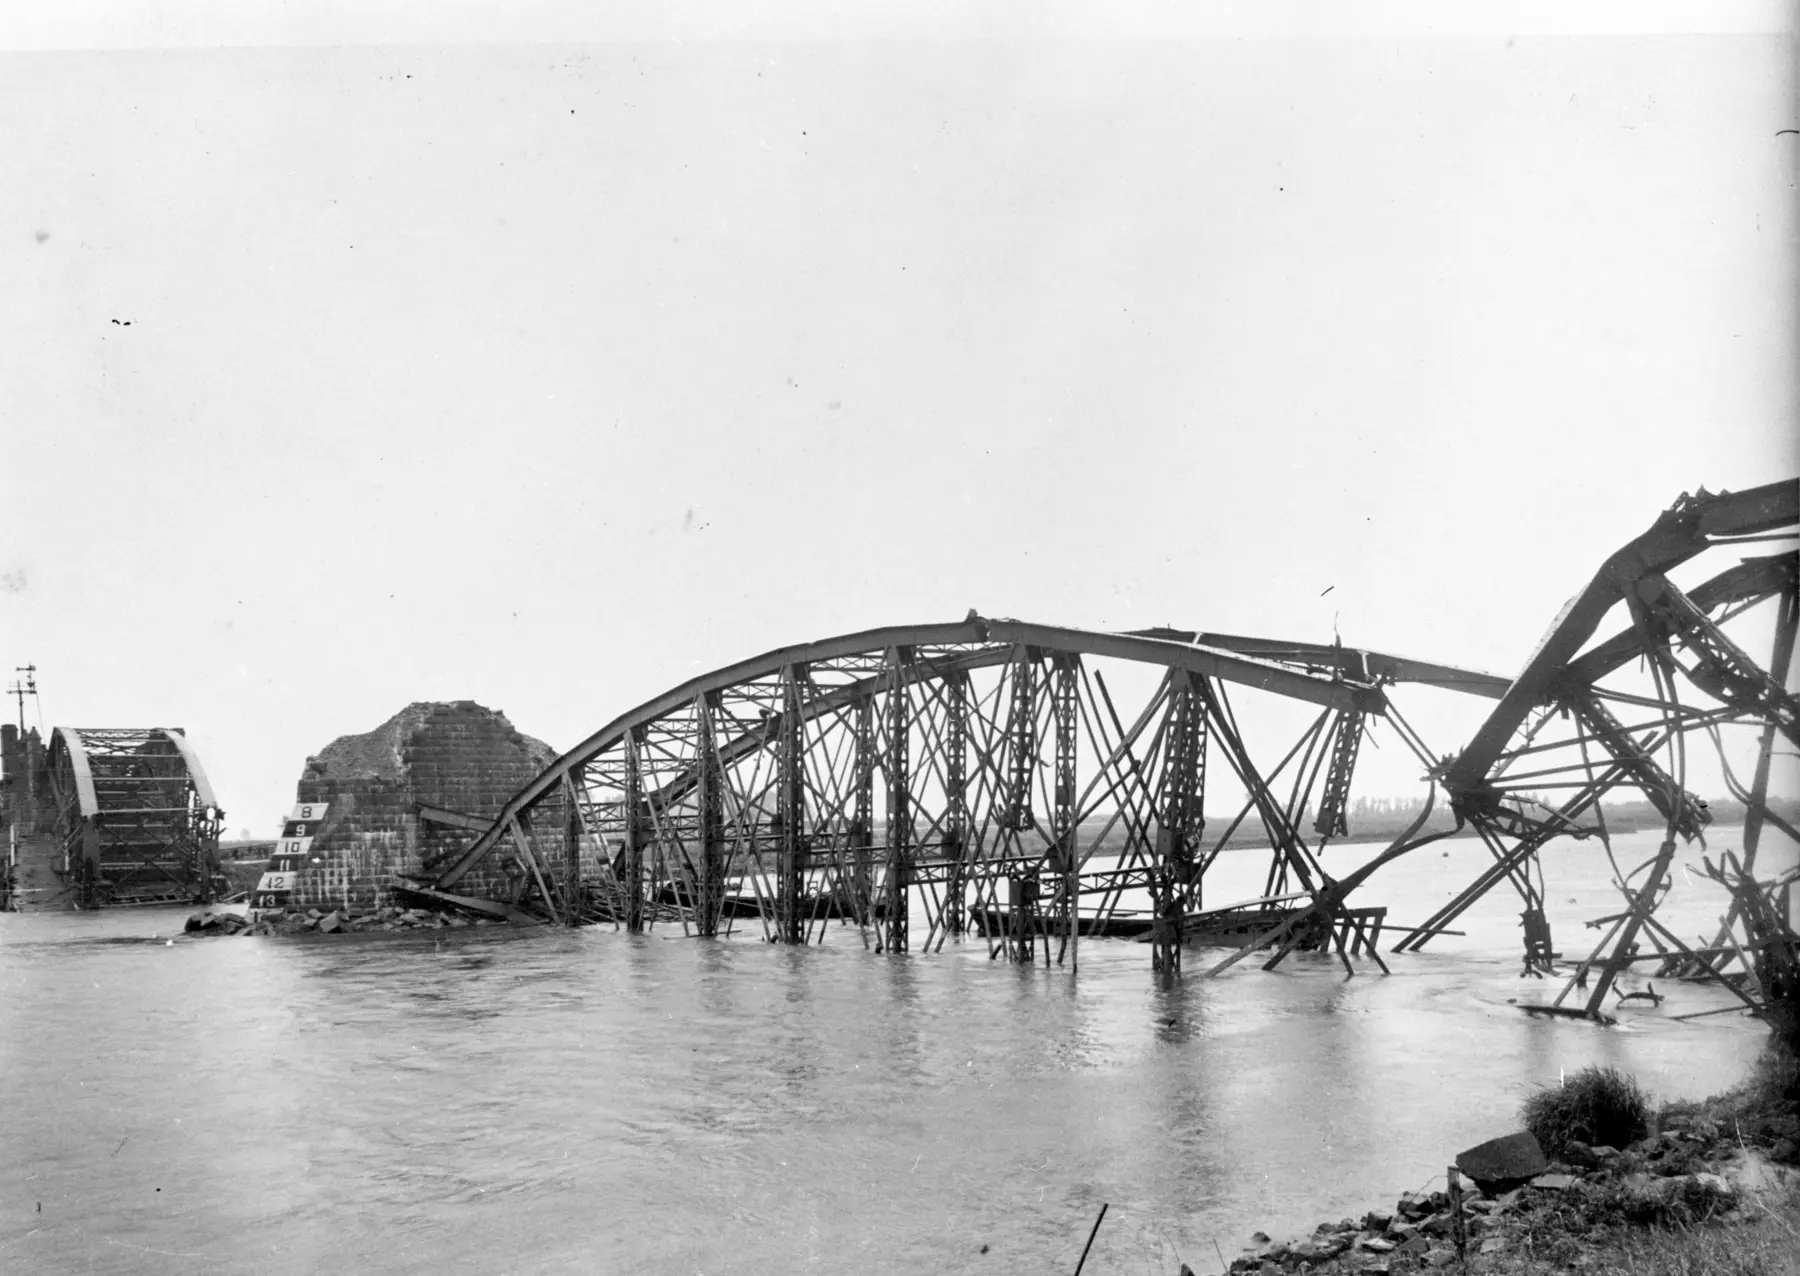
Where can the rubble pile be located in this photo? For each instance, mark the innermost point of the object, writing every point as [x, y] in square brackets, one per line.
[341, 920]
[1690, 1173]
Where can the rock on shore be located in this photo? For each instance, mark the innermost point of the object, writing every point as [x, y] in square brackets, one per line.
[1690, 1173]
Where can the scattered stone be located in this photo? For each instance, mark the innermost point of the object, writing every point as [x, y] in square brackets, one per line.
[1412, 1206]
[1508, 1158]
[1715, 1183]
[1580, 1155]
[331, 923]
[1319, 1248]
[1684, 1176]
[1676, 1162]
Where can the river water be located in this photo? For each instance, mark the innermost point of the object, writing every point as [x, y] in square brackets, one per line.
[492, 1100]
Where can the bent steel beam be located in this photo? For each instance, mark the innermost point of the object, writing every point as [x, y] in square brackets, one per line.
[1555, 732]
[1747, 582]
[1680, 533]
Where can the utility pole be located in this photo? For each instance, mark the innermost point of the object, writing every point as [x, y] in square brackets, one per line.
[22, 687]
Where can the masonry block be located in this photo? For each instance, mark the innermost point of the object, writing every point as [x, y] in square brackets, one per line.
[458, 755]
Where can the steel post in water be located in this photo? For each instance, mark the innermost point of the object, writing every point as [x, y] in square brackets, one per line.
[791, 811]
[862, 823]
[1181, 819]
[899, 803]
[630, 867]
[572, 829]
[1022, 752]
[956, 784]
[1063, 707]
[709, 888]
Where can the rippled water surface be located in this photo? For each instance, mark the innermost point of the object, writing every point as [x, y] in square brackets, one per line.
[553, 1101]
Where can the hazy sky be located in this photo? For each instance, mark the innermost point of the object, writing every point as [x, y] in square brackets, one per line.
[368, 369]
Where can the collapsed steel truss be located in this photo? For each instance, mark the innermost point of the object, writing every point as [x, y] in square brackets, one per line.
[921, 781]
[1575, 727]
[136, 816]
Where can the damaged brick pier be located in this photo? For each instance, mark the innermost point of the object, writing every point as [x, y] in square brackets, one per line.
[390, 792]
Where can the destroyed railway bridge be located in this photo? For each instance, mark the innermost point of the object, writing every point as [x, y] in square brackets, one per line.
[920, 782]
[1034, 784]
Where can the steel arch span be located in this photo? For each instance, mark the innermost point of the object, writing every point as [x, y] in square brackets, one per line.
[917, 782]
[135, 815]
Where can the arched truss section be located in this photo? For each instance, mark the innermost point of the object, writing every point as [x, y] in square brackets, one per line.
[919, 780]
[137, 817]
[1671, 697]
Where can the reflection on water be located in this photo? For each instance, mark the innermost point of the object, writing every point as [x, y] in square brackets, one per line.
[594, 1102]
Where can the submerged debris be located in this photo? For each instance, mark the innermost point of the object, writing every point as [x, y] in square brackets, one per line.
[337, 921]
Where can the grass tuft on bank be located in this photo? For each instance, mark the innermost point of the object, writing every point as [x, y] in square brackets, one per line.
[1595, 1106]
[1693, 1225]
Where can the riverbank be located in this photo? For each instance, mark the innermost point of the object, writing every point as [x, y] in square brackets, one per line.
[1708, 1187]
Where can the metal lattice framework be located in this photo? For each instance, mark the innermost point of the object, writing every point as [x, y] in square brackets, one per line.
[1586, 720]
[918, 781]
[136, 816]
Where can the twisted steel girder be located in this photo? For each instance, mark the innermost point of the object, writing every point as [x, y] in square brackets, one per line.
[1569, 731]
